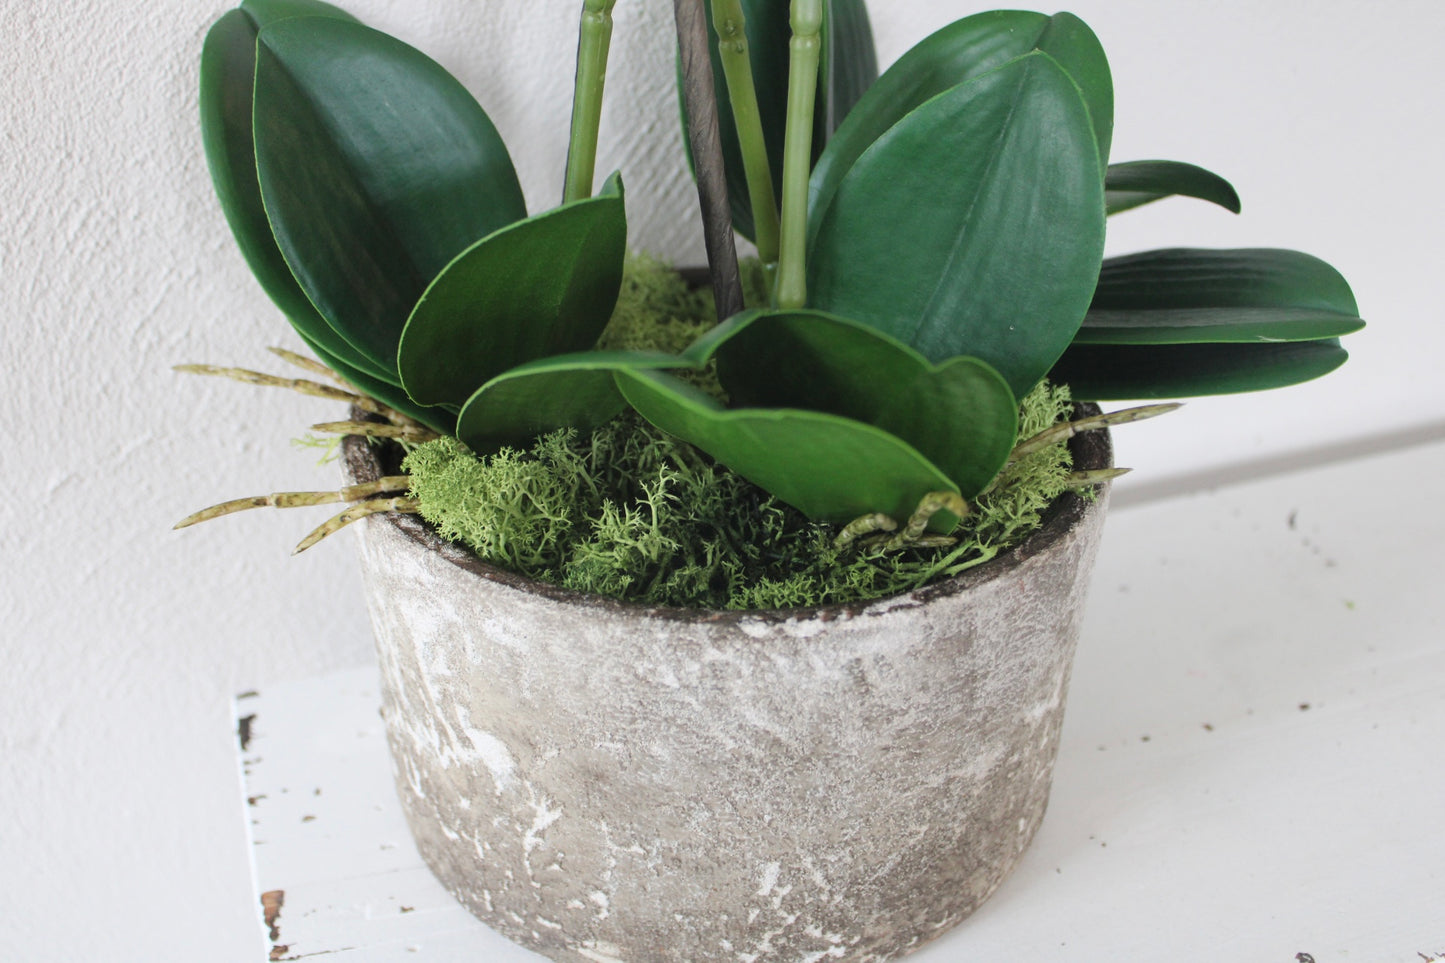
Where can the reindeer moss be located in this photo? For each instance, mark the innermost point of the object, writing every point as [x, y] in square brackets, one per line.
[635, 514]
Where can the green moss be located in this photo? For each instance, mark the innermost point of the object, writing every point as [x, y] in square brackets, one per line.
[656, 310]
[635, 514]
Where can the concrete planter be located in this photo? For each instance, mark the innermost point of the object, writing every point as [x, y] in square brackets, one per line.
[607, 783]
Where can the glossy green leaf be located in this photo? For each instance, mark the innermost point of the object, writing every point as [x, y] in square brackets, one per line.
[960, 414]
[960, 52]
[566, 391]
[228, 74]
[1184, 295]
[539, 287]
[1213, 325]
[376, 167]
[1203, 277]
[439, 419]
[831, 468]
[1136, 183]
[850, 66]
[941, 232]
[1135, 372]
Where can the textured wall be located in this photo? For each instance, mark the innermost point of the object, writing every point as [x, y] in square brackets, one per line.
[122, 640]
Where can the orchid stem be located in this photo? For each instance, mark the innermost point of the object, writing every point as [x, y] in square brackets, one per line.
[592, 48]
[807, 18]
[700, 97]
[731, 25]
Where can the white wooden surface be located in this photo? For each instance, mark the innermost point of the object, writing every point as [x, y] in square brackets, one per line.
[1251, 768]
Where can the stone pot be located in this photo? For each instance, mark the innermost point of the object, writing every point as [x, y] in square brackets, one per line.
[603, 782]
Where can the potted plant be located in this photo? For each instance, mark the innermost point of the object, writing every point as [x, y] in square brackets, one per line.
[760, 644]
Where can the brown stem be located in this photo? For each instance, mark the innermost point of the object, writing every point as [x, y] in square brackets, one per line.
[706, 141]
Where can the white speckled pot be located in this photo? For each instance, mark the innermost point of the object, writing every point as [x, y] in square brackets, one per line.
[609, 783]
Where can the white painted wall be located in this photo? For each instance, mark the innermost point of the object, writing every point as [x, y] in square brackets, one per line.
[122, 641]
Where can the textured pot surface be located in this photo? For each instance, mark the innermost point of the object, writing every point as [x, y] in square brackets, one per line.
[608, 783]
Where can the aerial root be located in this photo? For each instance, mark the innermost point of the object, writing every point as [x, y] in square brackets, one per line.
[379, 506]
[867, 525]
[306, 364]
[372, 429]
[930, 505]
[1068, 429]
[1088, 479]
[306, 387]
[352, 493]
[881, 531]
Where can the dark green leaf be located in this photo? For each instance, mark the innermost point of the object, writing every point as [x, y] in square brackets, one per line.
[376, 167]
[1213, 325]
[1241, 278]
[1187, 296]
[540, 287]
[1136, 183]
[565, 391]
[974, 226]
[960, 415]
[958, 53]
[228, 73]
[1129, 372]
[850, 66]
[831, 468]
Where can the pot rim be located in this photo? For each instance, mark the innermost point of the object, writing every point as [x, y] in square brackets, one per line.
[1092, 450]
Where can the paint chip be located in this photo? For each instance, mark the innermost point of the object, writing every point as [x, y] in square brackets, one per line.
[243, 730]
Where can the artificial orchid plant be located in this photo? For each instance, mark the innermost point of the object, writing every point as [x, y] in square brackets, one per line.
[933, 238]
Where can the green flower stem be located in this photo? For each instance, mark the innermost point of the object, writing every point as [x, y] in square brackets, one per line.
[807, 16]
[592, 48]
[731, 25]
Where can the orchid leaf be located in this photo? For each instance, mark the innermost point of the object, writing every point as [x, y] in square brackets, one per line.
[566, 391]
[959, 414]
[850, 66]
[1107, 372]
[539, 287]
[1136, 183]
[376, 168]
[1244, 277]
[960, 52]
[938, 233]
[1184, 295]
[831, 468]
[228, 75]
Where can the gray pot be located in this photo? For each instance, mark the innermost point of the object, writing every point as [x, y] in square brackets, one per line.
[603, 782]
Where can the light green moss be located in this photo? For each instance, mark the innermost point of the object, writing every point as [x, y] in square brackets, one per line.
[635, 514]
